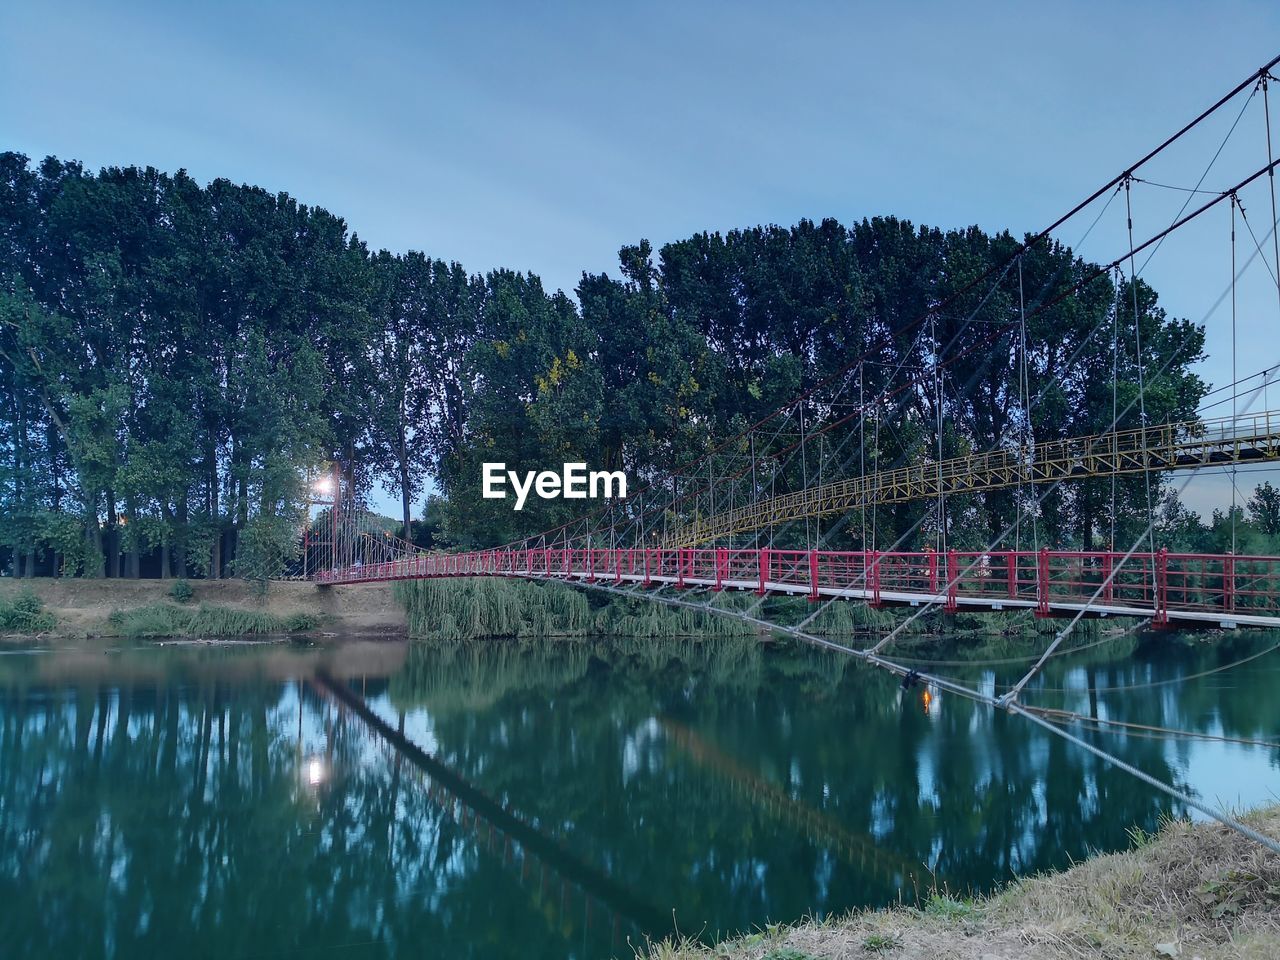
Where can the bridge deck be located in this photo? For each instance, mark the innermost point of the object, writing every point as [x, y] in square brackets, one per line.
[1203, 590]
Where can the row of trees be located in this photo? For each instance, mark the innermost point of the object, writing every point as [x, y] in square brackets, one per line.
[1249, 527]
[178, 362]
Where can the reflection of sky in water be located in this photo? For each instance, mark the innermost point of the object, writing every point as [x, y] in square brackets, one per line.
[1232, 776]
[1224, 774]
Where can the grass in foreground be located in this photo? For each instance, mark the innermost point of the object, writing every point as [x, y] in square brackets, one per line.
[206, 620]
[1188, 891]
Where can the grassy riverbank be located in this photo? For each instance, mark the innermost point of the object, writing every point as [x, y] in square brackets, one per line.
[1188, 891]
[49, 609]
[462, 609]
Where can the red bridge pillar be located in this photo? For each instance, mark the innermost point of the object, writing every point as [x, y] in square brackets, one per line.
[1042, 583]
[953, 577]
[1161, 617]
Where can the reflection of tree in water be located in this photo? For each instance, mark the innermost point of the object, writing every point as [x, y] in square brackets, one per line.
[568, 889]
[859, 850]
[449, 677]
[1147, 688]
[974, 794]
[591, 759]
[134, 815]
[135, 818]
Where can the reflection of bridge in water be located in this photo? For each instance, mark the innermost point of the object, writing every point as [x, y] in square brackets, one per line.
[858, 850]
[517, 844]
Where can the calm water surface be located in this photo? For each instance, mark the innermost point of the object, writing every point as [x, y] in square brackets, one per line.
[560, 799]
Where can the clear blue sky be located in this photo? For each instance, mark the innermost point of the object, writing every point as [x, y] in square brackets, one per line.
[545, 136]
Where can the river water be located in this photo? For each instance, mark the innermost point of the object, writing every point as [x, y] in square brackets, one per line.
[564, 798]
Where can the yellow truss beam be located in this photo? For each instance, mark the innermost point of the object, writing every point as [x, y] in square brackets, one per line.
[1190, 444]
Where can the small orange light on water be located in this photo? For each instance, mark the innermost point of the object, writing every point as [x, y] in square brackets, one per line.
[926, 698]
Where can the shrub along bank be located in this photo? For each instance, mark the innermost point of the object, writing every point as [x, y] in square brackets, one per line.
[480, 607]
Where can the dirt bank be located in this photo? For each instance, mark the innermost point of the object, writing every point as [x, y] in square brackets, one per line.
[1190, 891]
[84, 607]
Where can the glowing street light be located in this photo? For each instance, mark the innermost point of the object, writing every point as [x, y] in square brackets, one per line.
[315, 771]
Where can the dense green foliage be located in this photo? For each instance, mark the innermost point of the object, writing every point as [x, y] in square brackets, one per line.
[1251, 526]
[177, 360]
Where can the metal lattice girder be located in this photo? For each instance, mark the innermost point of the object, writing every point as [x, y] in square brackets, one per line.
[1185, 445]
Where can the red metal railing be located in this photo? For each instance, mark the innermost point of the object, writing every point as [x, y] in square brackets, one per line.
[1157, 584]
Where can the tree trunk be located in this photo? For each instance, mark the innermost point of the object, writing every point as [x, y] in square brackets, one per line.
[113, 537]
[404, 500]
[242, 518]
[1088, 514]
[19, 475]
[166, 539]
[227, 549]
[135, 550]
[180, 560]
[215, 559]
[95, 561]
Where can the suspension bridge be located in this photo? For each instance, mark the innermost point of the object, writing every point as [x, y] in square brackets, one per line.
[792, 505]
[1223, 591]
[1188, 590]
